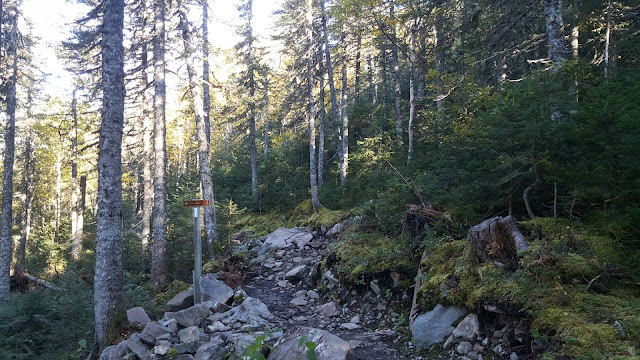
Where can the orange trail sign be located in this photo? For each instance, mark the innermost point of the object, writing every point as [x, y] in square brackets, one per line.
[195, 203]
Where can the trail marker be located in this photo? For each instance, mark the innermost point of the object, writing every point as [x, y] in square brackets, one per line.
[197, 246]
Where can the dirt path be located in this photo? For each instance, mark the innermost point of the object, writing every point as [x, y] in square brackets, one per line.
[266, 282]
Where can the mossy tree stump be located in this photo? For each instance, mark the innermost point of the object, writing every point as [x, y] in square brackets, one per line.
[497, 240]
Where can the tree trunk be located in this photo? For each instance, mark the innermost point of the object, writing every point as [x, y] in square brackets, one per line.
[58, 209]
[332, 88]
[323, 114]
[6, 242]
[81, 207]
[25, 226]
[76, 243]
[109, 278]
[266, 116]
[315, 201]
[159, 238]
[497, 240]
[147, 150]
[373, 86]
[385, 87]
[438, 39]
[206, 96]
[412, 100]
[358, 65]
[395, 73]
[252, 105]
[607, 40]
[344, 162]
[555, 31]
[203, 145]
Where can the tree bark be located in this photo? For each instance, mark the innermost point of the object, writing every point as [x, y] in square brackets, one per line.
[76, 243]
[252, 104]
[147, 150]
[332, 88]
[395, 73]
[109, 278]
[358, 65]
[497, 240]
[58, 209]
[206, 96]
[315, 201]
[555, 31]
[6, 242]
[344, 162]
[203, 145]
[373, 86]
[412, 101]
[159, 237]
[266, 116]
[25, 225]
[323, 114]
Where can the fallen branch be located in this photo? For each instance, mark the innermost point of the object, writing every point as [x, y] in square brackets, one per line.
[44, 283]
[412, 185]
[591, 282]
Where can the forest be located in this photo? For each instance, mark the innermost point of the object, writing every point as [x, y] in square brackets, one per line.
[407, 122]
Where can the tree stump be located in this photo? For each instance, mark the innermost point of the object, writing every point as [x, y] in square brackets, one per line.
[497, 240]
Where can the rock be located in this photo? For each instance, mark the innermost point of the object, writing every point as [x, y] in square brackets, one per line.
[300, 294]
[297, 273]
[152, 331]
[330, 309]
[328, 346]
[349, 326]
[114, 352]
[214, 289]
[251, 311]
[137, 347]
[218, 326]
[434, 326]
[137, 316]
[298, 301]
[190, 347]
[283, 238]
[182, 357]
[216, 307]
[328, 275]
[191, 333]
[162, 347]
[449, 341]
[282, 283]
[473, 355]
[375, 287]
[464, 348]
[513, 356]
[468, 329]
[213, 350]
[170, 324]
[335, 230]
[240, 343]
[191, 316]
[183, 300]
[313, 295]
[355, 319]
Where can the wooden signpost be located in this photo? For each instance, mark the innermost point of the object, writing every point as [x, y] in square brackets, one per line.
[197, 246]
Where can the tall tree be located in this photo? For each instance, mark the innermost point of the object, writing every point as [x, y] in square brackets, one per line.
[203, 143]
[27, 204]
[555, 31]
[344, 161]
[315, 201]
[395, 71]
[206, 96]
[108, 282]
[76, 241]
[6, 242]
[159, 237]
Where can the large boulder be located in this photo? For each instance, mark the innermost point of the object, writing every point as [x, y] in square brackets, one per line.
[213, 350]
[137, 316]
[252, 311]
[152, 331]
[181, 301]
[434, 326]
[214, 290]
[283, 238]
[192, 316]
[468, 329]
[328, 346]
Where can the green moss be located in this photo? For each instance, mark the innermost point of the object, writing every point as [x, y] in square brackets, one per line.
[323, 217]
[362, 255]
[174, 288]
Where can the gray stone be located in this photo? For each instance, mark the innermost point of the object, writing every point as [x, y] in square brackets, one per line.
[251, 311]
[183, 300]
[335, 230]
[191, 316]
[214, 289]
[330, 309]
[375, 287]
[216, 307]
[329, 346]
[137, 316]
[218, 326]
[513, 356]
[114, 352]
[349, 326]
[191, 333]
[464, 348]
[355, 319]
[298, 301]
[152, 331]
[313, 295]
[162, 347]
[473, 355]
[170, 324]
[183, 357]
[137, 347]
[328, 275]
[213, 350]
[434, 326]
[190, 347]
[240, 343]
[468, 329]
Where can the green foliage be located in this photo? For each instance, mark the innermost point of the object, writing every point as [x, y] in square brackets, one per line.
[45, 324]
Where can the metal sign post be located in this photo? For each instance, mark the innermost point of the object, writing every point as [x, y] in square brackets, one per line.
[197, 246]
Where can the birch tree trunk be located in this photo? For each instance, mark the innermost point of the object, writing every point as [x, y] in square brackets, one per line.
[159, 237]
[555, 31]
[109, 278]
[25, 226]
[76, 243]
[344, 162]
[395, 73]
[206, 96]
[315, 201]
[6, 242]
[412, 101]
[203, 143]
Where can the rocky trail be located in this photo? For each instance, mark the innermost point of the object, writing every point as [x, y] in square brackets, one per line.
[290, 302]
